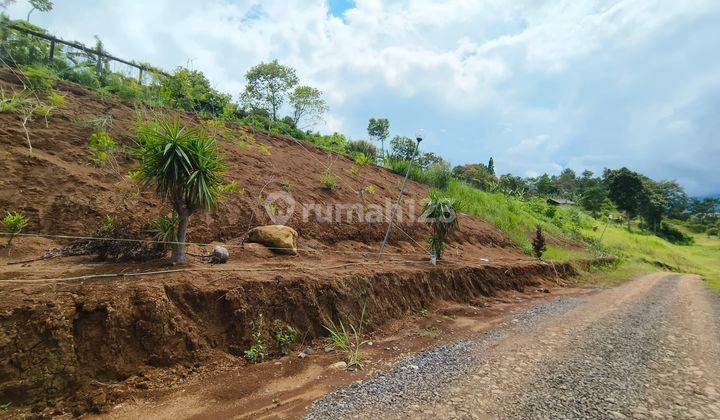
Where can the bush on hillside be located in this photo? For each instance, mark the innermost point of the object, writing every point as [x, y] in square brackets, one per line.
[674, 235]
[363, 146]
[39, 79]
[190, 90]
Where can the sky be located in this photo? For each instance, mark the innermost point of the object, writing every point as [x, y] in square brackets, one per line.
[538, 85]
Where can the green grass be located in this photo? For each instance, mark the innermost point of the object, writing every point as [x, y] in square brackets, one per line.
[570, 236]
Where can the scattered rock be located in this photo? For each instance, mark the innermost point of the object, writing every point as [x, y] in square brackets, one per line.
[279, 238]
[339, 365]
[220, 255]
[308, 350]
[302, 355]
[259, 250]
[329, 348]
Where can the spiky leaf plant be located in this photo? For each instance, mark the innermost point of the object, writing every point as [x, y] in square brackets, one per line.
[185, 168]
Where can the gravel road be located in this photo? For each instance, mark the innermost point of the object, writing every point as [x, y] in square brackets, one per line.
[647, 349]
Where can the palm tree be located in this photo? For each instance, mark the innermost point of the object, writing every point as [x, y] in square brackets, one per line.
[185, 167]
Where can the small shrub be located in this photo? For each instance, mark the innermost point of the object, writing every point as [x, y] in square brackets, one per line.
[39, 79]
[17, 102]
[258, 351]
[101, 146]
[56, 99]
[164, 229]
[539, 246]
[264, 149]
[108, 223]
[348, 341]
[441, 214]
[551, 211]
[285, 337]
[125, 88]
[438, 175]
[360, 161]
[364, 147]
[230, 188]
[85, 76]
[329, 181]
[285, 185]
[13, 224]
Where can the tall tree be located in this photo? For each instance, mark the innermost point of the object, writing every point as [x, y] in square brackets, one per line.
[491, 166]
[379, 130]
[40, 5]
[626, 190]
[653, 205]
[268, 85]
[544, 185]
[566, 182]
[308, 105]
[402, 147]
[593, 199]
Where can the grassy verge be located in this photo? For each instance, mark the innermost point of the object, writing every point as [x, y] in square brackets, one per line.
[574, 234]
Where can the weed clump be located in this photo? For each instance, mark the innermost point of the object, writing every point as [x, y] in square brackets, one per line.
[258, 350]
[101, 146]
[329, 181]
[285, 336]
[348, 341]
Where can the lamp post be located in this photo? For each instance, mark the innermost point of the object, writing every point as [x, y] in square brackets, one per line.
[418, 138]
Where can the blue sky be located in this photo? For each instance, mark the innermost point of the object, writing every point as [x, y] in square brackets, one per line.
[540, 86]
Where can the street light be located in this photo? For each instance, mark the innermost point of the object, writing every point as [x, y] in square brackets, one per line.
[418, 138]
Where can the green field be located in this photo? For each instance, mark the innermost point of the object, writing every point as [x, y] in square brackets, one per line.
[570, 235]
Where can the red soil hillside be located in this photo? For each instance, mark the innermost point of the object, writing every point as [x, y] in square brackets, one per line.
[73, 340]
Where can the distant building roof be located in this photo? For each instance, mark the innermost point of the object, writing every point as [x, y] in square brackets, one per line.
[560, 201]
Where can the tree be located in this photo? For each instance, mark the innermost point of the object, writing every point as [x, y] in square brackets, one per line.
[676, 200]
[477, 175]
[402, 147]
[593, 199]
[586, 181]
[308, 104]
[429, 159]
[40, 5]
[379, 129]
[652, 205]
[267, 86]
[191, 90]
[626, 189]
[544, 185]
[185, 167]
[513, 184]
[491, 166]
[567, 182]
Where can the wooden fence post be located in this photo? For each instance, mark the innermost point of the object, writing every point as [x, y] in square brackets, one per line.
[52, 50]
[140, 76]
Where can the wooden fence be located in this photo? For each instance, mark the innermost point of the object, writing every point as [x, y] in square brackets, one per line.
[100, 54]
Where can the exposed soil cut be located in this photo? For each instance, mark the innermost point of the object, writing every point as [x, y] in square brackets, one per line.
[64, 343]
